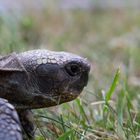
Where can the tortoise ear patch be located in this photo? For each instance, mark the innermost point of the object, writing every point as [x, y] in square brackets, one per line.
[11, 63]
[47, 70]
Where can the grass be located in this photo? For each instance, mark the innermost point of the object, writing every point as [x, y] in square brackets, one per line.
[108, 109]
[102, 120]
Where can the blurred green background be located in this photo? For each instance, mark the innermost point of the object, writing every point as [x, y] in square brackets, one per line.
[107, 33]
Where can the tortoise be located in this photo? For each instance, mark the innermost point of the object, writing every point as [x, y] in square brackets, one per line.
[36, 79]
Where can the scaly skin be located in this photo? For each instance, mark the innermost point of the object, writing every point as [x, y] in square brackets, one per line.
[9, 122]
[41, 78]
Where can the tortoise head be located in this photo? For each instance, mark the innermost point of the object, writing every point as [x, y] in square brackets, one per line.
[57, 77]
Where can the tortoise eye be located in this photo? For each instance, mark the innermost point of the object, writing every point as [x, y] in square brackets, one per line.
[73, 69]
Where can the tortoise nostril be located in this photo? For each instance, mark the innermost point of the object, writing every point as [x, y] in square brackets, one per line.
[84, 78]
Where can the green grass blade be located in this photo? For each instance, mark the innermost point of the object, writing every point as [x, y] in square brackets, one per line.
[121, 105]
[66, 135]
[82, 111]
[113, 86]
[120, 112]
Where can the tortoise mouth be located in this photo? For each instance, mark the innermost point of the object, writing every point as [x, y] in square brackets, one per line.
[43, 101]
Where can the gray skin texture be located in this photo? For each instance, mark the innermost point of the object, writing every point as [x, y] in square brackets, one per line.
[41, 78]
